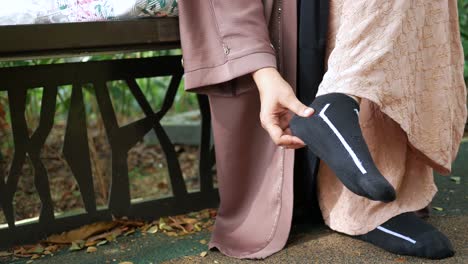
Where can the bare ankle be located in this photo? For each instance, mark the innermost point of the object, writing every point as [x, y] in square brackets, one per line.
[357, 99]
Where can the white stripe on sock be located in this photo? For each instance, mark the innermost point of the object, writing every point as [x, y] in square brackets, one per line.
[383, 229]
[343, 141]
[357, 112]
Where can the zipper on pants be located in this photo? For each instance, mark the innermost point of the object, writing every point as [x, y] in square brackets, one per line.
[280, 36]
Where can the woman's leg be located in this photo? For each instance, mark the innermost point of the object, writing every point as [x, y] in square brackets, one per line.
[400, 58]
[254, 178]
[388, 226]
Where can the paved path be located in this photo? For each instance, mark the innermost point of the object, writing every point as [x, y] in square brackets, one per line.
[307, 244]
[320, 245]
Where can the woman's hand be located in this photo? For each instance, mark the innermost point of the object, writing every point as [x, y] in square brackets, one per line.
[277, 100]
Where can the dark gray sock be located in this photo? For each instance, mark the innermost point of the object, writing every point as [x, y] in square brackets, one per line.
[334, 135]
[407, 234]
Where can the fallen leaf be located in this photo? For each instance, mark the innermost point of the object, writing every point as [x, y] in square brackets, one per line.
[187, 220]
[35, 250]
[110, 238]
[131, 231]
[438, 208]
[81, 233]
[111, 235]
[193, 214]
[51, 248]
[400, 260]
[145, 227]
[189, 227]
[153, 229]
[35, 256]
[133, 223]
[203, 241]
[91, 243]
[77, 245]
[91, 249]
[176, 223]
[205, 214]
[126, 262]
[164, 226]
[102, 243]
[21, 252]
[203, 254]
[5, 254]
[207, 224]
[456, 179]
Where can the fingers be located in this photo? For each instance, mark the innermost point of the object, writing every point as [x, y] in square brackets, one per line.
[275, 115]
[280, 138]
[298, 140]
[290, 142]
[292, 146]
[274, 131]
[292, 103]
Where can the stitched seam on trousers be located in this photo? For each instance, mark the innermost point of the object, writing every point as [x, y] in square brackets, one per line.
[277, 216]
[280, 196]
[270, 236]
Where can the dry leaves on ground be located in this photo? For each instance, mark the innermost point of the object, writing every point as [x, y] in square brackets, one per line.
[80, 233]
[91, 236]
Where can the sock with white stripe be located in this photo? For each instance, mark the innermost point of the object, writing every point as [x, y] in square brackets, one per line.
[334, 135]
[407, 234]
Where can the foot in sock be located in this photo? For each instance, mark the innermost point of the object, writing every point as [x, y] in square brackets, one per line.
[407, 234]
[334, 135]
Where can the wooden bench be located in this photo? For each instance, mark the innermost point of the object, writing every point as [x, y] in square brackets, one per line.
[79, 39]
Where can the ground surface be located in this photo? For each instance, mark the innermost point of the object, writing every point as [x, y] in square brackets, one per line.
[308, 243]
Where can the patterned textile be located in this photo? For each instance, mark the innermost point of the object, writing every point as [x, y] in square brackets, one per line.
[63, 11]
[404, 58]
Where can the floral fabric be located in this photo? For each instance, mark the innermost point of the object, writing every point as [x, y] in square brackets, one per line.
[65, 11]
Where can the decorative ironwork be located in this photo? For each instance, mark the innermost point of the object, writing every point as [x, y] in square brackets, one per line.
[16, 81]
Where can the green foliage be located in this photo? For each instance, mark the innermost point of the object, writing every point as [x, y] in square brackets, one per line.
[463, 17]
[124, 103]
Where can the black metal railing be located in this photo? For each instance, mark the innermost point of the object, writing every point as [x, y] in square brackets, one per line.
[16, 81]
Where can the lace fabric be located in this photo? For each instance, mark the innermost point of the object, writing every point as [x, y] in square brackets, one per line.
[404, 58]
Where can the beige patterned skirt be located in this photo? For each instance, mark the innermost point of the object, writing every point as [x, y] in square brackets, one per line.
[405, 60]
